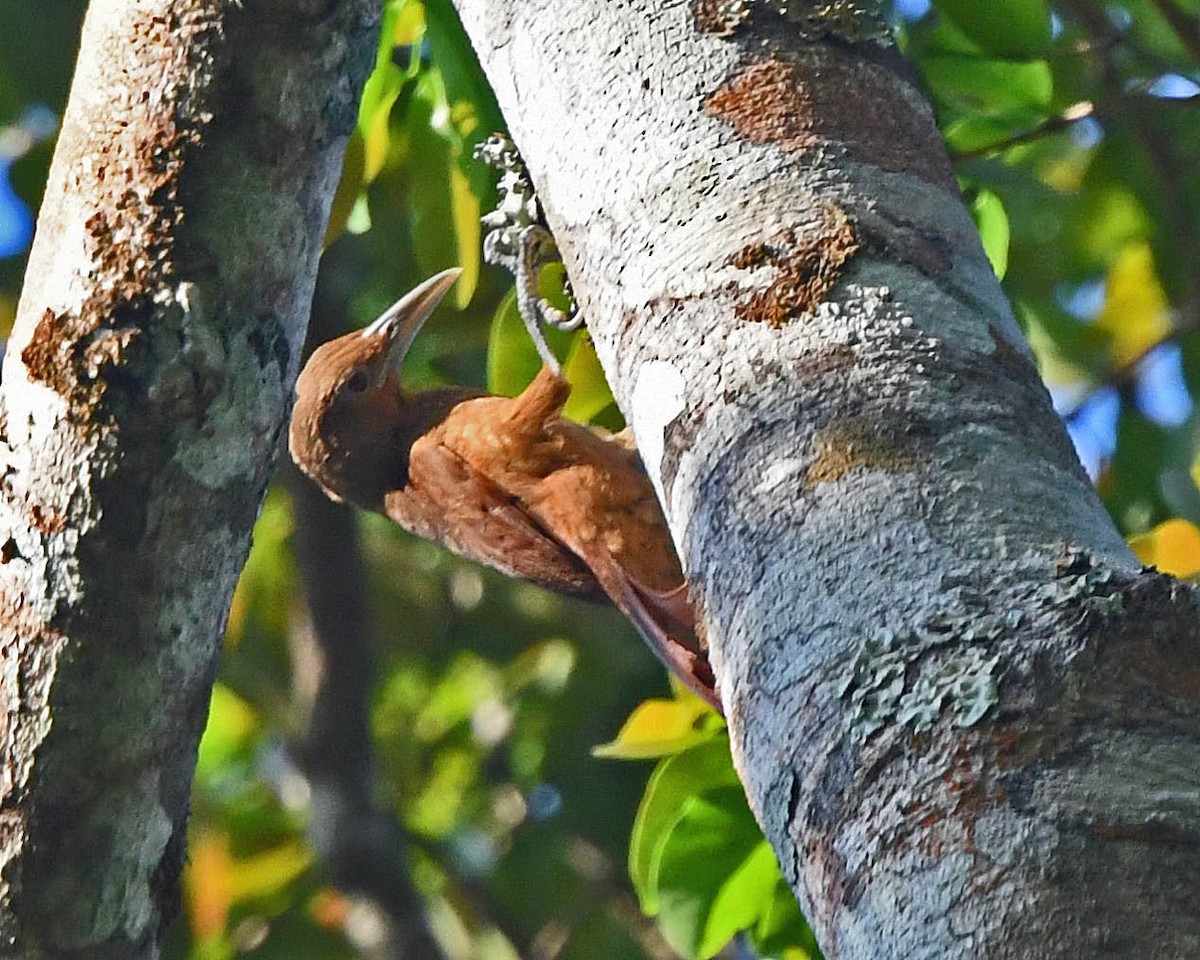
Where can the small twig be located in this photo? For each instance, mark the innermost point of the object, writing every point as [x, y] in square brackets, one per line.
[1072, 114]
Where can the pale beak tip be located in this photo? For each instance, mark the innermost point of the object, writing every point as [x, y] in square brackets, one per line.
[411, 310]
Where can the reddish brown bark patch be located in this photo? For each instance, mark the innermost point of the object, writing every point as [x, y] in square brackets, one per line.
[133, 183]
[807, 267]
[768, 102]
[837, 99]
[719, 17]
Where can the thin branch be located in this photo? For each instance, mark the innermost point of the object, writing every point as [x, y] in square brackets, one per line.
[1059, 122]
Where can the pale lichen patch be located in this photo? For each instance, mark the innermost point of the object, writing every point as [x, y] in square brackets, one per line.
[910, 678]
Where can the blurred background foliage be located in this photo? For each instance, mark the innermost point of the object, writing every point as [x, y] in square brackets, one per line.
[402, 746]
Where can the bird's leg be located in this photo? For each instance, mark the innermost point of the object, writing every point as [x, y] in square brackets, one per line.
[518, 239]
[537, 249]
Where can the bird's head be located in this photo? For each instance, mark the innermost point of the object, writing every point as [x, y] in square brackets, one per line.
[348, 414]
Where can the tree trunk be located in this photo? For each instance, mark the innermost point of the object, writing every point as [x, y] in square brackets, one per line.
[144, 388]
[966, 720]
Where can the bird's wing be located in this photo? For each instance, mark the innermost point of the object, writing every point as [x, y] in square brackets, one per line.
[658, 618]
[478, 520]
[664, 618]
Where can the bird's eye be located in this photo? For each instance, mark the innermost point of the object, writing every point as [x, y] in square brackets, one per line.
[358, 381]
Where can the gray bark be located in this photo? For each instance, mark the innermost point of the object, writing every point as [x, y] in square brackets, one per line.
[145, 384]
[966, 720]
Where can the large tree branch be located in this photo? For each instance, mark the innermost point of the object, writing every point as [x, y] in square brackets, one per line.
[965, 720]
[144, 387]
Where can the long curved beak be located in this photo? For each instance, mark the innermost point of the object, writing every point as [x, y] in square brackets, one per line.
[401, 322]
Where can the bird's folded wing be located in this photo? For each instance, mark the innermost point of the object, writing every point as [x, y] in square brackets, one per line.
[664, 618]
[478, 520]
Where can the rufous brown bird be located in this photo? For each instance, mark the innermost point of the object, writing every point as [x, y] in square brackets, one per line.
[505, 482]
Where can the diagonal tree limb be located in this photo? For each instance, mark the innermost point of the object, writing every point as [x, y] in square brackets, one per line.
[145, 384]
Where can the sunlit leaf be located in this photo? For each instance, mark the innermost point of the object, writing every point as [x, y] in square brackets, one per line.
[232, 723]
[992, 223]
[1173, 547]
[403, 24]
[1021, 92]
[1136, 314]
[590, 392]
[465, 207]
[698, 769]
[513, 360]
[714, 873]
[658, 728]
[262, 874]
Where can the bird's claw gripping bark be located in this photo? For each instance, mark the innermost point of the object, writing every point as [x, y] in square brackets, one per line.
[518, 239]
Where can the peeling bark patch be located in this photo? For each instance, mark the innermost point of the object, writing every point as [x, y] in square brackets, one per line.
[719, 17]
[768, 103]
[134, 180]
[807, 264]
[858, 443]
[837, 99]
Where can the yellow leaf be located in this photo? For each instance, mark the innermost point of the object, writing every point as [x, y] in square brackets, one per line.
[264, 873]
[1136, 314]
[409, 26]
[658, 728]
[465, 210]
[1173, 547]
[206, 886]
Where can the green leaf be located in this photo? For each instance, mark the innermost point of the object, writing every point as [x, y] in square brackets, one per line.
[402, 24]
[467, 235]
[231, 728]
[1015, 28]
[782, 930]
[992, 223]
[1018, 92]
[715, 873]
[590, 392]
[427, 168]
[698, 769]
[512, 360]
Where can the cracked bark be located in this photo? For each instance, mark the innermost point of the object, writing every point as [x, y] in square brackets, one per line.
[966, 719]
[144, 388]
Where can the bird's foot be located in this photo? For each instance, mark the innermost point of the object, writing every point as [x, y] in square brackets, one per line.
[518, 239]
